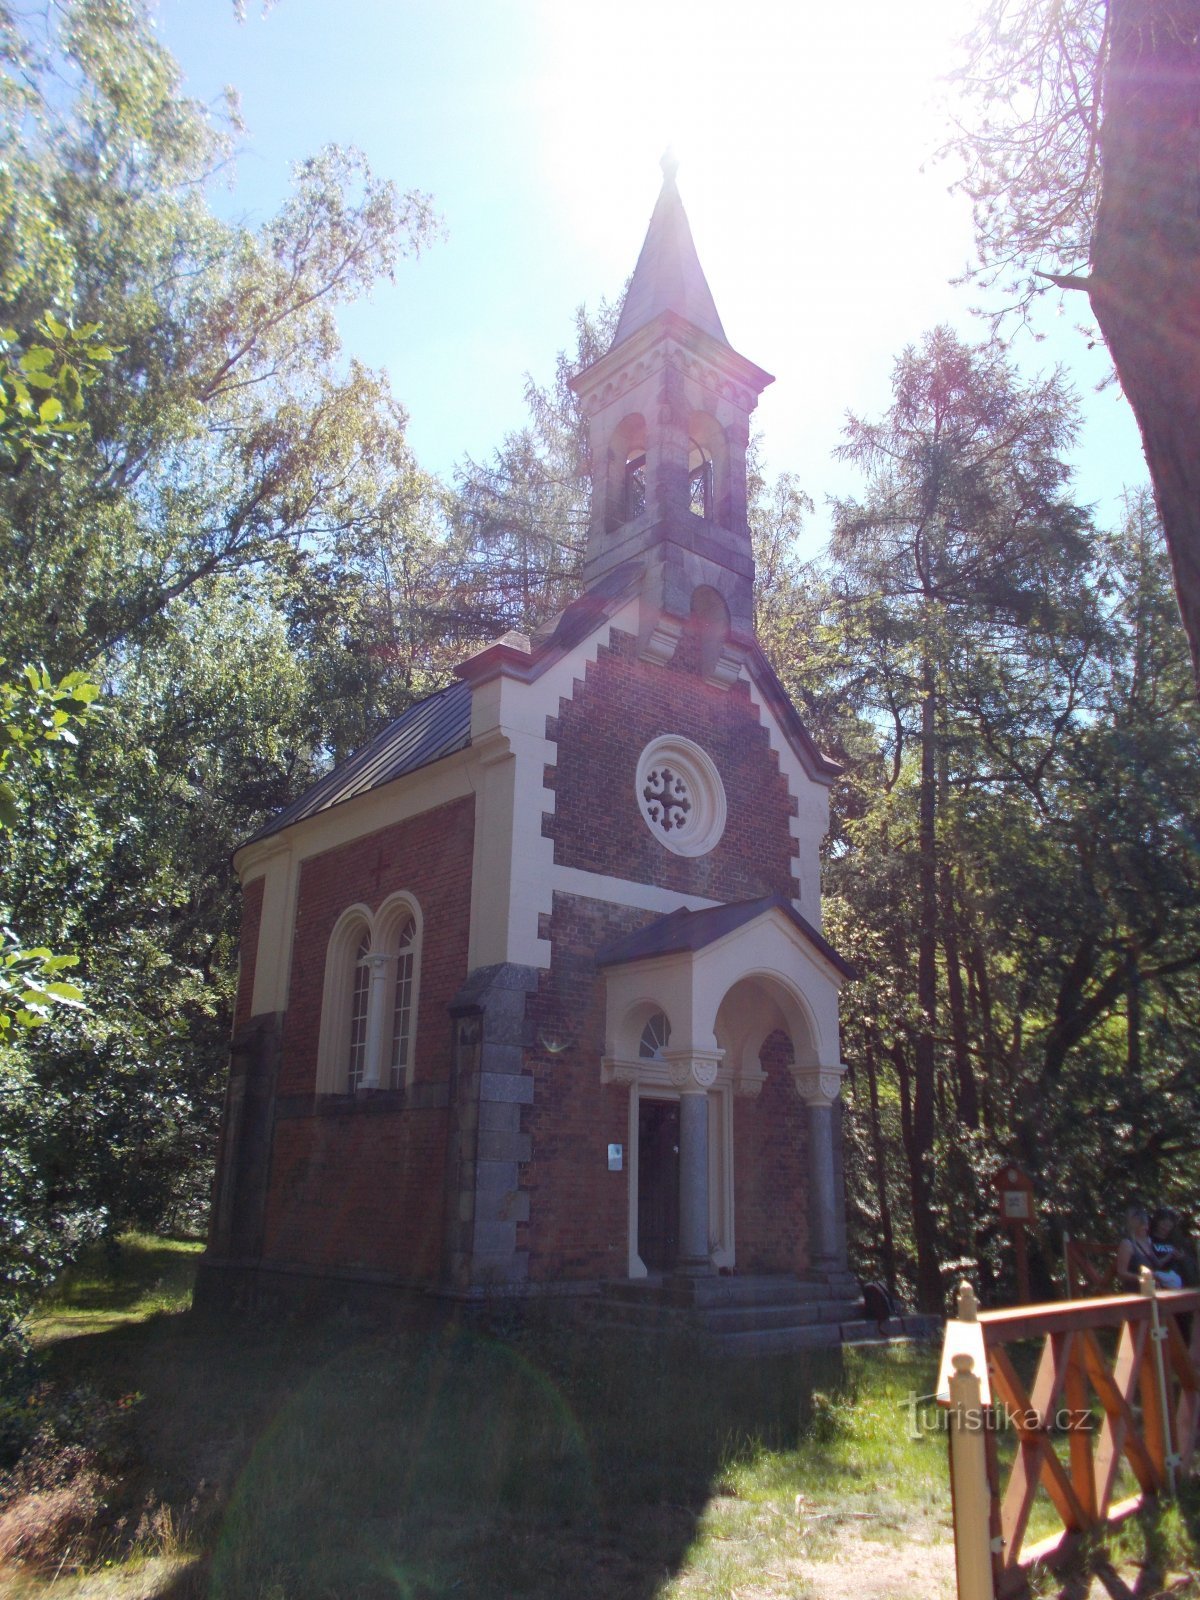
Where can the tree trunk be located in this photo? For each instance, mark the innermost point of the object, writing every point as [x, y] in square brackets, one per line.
[887, 1241]
[1145, 268]
[929, 1278]
[966, 1094]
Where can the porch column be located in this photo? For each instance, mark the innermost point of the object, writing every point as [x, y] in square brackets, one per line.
[820, 1087]
[693, 1076]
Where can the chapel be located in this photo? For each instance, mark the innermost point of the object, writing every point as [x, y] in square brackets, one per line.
[533, 997]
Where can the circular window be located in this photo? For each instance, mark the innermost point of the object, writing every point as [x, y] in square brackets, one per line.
[680, 795]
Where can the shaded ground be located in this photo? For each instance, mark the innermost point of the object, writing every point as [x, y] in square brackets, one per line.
[264, 1462]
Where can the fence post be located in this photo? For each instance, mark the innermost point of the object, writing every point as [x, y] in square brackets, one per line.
[1158, 1335]
[969, 1484]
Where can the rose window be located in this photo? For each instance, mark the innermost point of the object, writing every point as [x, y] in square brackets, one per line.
[680, 795]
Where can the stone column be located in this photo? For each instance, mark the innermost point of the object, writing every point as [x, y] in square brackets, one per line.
[376, 1071]
[693, 1076]
[820, 1087]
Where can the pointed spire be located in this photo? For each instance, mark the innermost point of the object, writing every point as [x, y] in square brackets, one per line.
[668, 275]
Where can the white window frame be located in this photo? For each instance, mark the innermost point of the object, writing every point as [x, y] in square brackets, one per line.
[383, 929]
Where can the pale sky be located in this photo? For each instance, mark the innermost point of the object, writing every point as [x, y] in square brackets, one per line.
[537, 127]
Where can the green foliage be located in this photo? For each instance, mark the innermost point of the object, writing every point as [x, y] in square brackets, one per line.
[203, 508]
[42, 388]
[522, 517]
[35, 712]
[1012, 862]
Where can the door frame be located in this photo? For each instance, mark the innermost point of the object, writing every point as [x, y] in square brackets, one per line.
[720, 1169]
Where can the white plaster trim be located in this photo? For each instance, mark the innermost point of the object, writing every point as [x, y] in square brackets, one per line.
[340, 956]
[624, 892]
[273, 958]
[449, 779]
[811, 822]
[513, 872]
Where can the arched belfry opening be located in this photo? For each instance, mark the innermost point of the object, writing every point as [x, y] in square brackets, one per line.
[622, 477]
[668, 412]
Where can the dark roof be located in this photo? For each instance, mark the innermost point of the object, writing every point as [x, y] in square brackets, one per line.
[433, 728]
[692, 930]
[668, 275]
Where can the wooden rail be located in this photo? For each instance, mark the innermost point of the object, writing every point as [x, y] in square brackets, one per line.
[1090, 1267]
[1115, 1380]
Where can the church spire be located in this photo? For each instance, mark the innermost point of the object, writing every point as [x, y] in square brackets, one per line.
[668, 414]
[668, 275]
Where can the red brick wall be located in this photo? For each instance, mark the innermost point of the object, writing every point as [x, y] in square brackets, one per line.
[429, 857]
[620, 706]
[252, 904]
[578, 1210]
[364, 1187]
[359, 1189]
[770, 1159]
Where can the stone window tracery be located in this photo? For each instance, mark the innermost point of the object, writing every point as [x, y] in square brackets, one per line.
[656, 1036]
[680, 795]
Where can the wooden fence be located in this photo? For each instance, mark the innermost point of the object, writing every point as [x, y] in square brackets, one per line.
[1114, 1381]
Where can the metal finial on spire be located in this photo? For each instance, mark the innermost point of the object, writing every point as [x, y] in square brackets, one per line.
[669, 162]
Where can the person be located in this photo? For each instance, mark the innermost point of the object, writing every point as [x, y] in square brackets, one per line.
[1169, 1258]
[1135, 1251]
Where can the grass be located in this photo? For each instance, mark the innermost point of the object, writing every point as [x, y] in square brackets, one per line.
[141, 1277]
[266, 1461]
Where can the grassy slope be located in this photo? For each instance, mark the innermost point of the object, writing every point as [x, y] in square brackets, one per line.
[272, 1461]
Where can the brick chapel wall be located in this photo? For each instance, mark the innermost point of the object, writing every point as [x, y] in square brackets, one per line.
[252, 904]
[358, 1183]
[770, 1161]
[578, 1210]
[619, 707]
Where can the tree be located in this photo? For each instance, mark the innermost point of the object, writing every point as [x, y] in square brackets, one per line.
[173, 536]
[1083, 173]
[522, 517]
[1011, 857]
[958, 547]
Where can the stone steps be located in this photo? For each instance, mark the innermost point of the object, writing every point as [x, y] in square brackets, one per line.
[752, 1315]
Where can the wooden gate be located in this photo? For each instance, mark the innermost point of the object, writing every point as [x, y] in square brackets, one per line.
[1114, 1381]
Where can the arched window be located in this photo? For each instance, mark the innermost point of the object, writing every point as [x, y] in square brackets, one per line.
[635, 486]
[625, 473]
[700, 480]
[369, 1006]
[708, 468]
[403, 1009]
[656, 1036]
[356, 1060]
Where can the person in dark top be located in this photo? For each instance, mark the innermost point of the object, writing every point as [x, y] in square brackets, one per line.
[1168, 1256]
[1136, 1251]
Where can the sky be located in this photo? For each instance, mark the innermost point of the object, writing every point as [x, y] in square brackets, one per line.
[825, 228]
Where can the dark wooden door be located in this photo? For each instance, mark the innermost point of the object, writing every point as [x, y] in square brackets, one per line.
[658, 1183]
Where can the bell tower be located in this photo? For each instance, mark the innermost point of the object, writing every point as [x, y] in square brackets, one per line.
[668, 412]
